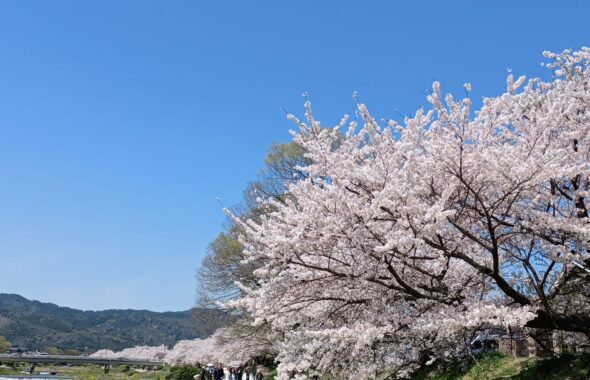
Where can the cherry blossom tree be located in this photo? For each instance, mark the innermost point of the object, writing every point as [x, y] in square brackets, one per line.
[401, 238]
[193, 351]
[183, 352]
[138, 352]
[224, 346]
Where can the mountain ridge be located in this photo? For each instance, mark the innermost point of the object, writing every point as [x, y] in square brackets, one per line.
[37, 325]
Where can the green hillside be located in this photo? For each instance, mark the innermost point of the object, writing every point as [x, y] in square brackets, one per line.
[36, 325]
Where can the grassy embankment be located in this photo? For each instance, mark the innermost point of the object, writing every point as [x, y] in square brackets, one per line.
[498, 366]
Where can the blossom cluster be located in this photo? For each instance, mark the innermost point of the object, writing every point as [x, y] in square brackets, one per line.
[190, 352]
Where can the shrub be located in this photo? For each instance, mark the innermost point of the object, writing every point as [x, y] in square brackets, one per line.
[183, 372]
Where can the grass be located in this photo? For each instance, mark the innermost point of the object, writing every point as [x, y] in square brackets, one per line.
[564, 367]
[272, 374]
[497, 366]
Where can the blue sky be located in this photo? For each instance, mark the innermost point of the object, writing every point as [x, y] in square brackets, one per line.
[122, 121]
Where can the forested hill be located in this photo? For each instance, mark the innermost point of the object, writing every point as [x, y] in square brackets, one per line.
[36, 325]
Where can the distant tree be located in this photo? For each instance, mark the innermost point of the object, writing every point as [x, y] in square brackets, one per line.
[282, 167]
[4, 344]
[223, 264]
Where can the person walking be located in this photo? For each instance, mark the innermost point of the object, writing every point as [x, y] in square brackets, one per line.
[252, 370]
[218, 373]
[259, 375]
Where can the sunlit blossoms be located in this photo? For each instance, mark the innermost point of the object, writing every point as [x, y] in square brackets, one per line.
[401, 238]
[184, 352]
[193, 352]
[223, 347]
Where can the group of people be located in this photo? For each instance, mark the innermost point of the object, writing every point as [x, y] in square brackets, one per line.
[217, 372]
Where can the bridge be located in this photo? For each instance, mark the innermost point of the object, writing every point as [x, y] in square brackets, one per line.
[67, 359]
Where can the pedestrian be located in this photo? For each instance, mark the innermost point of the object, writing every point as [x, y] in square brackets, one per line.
[218, 373]
[259, 375]
[231, 373]
[239, 372]
[252, 370]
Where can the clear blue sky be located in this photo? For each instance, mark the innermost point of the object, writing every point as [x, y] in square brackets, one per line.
[121, 121]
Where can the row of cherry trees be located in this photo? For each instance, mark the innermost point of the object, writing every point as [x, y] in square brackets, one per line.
[398, 240]
[213, 349]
